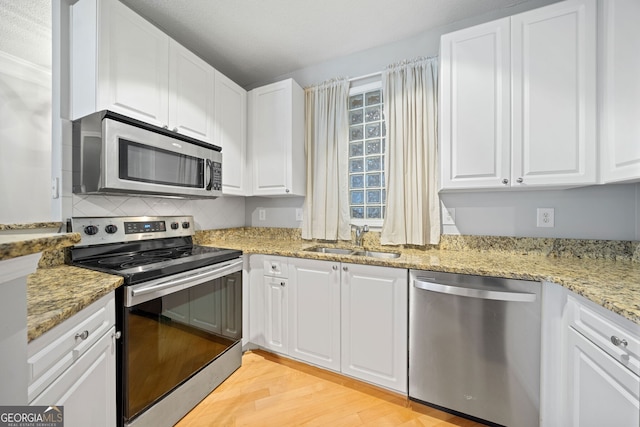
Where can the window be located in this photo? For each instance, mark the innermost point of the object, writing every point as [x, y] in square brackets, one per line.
[367, 193]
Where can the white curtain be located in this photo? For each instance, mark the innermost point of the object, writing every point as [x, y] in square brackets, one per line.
[326, 206]
[410, 108]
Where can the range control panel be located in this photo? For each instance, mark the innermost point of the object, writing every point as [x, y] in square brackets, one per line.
[101, 230]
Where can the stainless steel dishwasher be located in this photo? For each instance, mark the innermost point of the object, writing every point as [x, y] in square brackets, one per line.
[474, 346]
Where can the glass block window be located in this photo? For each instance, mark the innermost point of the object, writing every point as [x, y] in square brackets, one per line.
[367, 193]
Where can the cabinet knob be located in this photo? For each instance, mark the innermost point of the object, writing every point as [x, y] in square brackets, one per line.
[85, 334]
[505, 181]
[287, 190]
[335, 267]
[618, 342]
[175, 129]
[165, 127]
[116, 335]
[281, 283]
[345, 268]
[273, 266]
[520, 180]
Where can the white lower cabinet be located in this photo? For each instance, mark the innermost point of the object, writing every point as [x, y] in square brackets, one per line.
[74, 365]
[345, 317]
[590, 364]
[374, 311]
[600, 391]
[314, 312]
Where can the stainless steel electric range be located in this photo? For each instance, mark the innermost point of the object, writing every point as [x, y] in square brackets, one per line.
[179, 312]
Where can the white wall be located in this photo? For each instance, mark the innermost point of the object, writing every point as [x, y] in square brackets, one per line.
[25, 141]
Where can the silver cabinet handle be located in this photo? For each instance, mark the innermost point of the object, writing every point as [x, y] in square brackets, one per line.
[505, 181]
[82, 335]
[281, 283]
[520, 180]
[175, 129]
[335, 267]
[345, 268]
[165, 127]
[619, 342]
[287, 190]
[116, 335]
[273, 267]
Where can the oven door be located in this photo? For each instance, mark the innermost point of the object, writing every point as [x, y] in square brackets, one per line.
[174, 327]
[137, 160]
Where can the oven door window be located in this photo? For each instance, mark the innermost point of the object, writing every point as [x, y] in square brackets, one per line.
[170, 338]
[145, 163]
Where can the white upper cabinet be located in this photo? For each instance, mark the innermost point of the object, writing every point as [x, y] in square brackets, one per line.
[191, 94]
[231, 135]
[518, 100]
[619, 90]
[121, 62]
[276, 134]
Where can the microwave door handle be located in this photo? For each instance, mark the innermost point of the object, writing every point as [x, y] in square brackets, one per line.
[210, 169]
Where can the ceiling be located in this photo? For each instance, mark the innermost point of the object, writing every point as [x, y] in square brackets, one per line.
[253, 41]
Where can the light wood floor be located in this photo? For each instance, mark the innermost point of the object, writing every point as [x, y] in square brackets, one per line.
[272, 391]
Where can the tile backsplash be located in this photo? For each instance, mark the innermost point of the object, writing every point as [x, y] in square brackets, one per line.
[223, 212]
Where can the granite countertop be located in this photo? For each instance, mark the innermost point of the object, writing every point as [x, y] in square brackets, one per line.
[613, 284]
[18, 243]
[56, 293]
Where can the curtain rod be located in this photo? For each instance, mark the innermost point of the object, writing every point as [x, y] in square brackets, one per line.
[366, 76]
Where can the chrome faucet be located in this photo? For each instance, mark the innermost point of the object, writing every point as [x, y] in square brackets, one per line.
[360, 234]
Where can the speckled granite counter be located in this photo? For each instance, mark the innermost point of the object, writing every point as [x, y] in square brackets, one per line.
[54, 294]
[55, 291]
[609, 278]
[19, 244]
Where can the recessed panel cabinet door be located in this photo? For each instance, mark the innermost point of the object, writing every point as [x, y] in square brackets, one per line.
[374, 324]
[133, 64]
[231, 135]
[191, 94]
[620, 86]
[475, 106]
[314, 312]
[553, 56]
[275, 314]
[601, 392]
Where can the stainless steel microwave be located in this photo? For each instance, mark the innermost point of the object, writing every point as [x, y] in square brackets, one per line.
[114, 154]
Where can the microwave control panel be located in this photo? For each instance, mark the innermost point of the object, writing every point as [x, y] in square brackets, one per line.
[216, 176]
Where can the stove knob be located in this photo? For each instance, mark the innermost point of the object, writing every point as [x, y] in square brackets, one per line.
[186, 224]
[174, 225]
[90, 230]
[111, 229]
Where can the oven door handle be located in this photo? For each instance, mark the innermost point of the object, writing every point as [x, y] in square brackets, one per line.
[192, 279]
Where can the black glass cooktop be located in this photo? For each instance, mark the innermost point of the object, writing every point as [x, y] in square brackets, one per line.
[143, 261]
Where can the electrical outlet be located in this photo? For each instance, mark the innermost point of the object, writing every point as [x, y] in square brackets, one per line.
[545, 217]
[448, 216]
[298, 214]
[262, 214]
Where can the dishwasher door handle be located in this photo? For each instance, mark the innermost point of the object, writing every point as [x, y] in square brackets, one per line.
[425, 284]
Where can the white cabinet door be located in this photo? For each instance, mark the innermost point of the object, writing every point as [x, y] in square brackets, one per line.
[620, 90]
[601, 392]
[553, 55]
[191, 94]
[231, 135]
[275, 314]
[87, 390]
[277, 139]
[475, 106]
[374, 324]
[314, 312]
[133, 65]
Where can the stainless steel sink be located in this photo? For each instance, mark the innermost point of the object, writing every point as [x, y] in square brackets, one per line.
[356, 252]
[326, 250]
[376, 254]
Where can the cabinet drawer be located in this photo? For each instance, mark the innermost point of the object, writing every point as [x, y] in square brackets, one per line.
[602, 331]
[276, 267]
[51, 354]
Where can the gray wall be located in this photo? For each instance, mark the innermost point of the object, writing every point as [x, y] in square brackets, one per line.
[603, 212]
